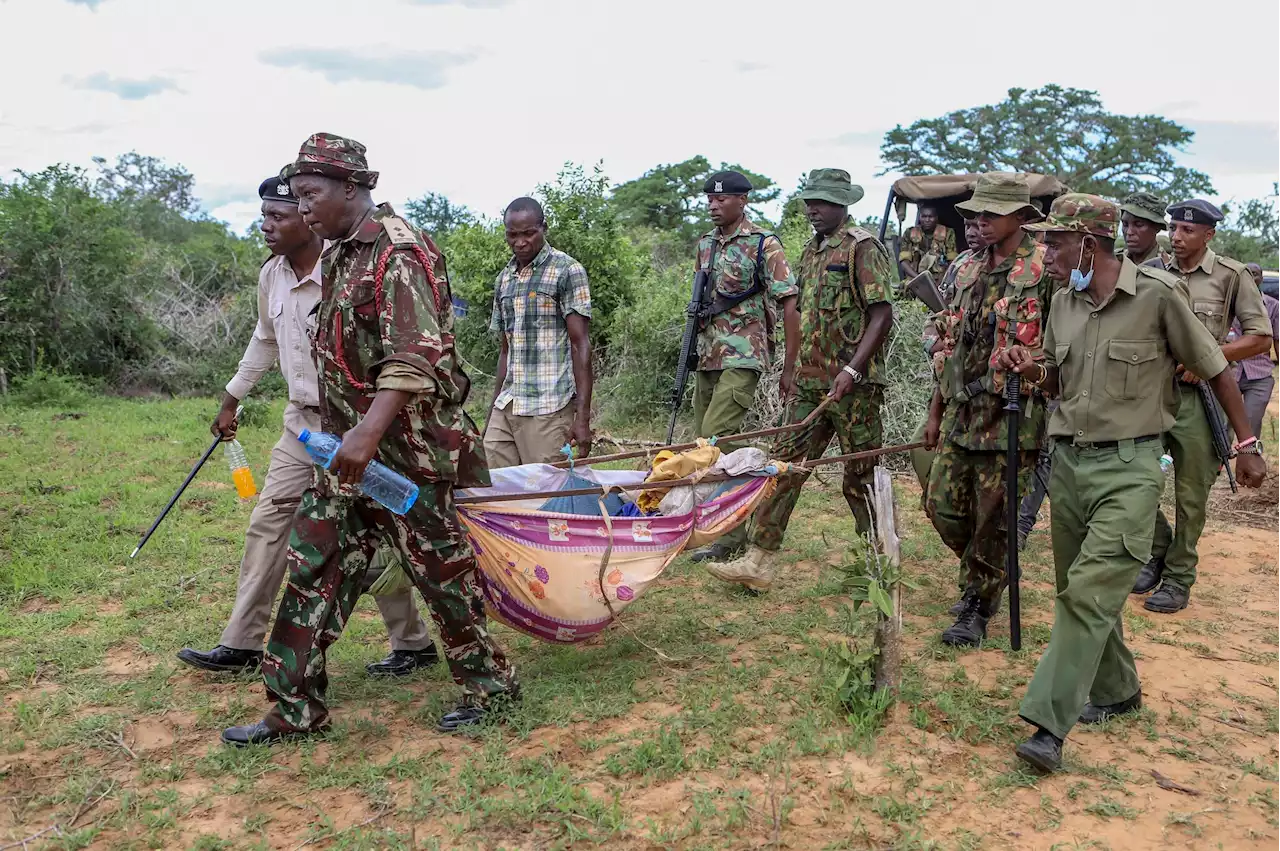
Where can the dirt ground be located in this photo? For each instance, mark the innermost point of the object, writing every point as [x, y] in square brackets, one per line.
[730, 744]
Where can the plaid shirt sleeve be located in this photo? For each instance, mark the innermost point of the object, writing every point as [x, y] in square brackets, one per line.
[495, 316]
[574, 292]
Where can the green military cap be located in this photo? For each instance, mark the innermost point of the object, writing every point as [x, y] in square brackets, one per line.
[833, 185]
[1144, 205]
[1077, 212]
[330, 155]
[999, 194]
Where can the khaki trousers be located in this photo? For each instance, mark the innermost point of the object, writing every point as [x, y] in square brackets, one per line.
[266, 546]
[511, 440]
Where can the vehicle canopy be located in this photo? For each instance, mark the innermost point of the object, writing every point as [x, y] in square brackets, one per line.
[944, 191]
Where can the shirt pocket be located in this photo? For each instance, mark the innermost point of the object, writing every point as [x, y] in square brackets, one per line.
[1212, 314]
[1132, 368]
[540, 300]
[1061, 355]
[362, 301]
[736, 274]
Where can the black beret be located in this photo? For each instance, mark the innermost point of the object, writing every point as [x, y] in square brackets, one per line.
[1196, 211]
[727, 183]
[275, 189]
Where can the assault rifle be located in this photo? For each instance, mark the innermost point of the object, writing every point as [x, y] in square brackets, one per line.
[688, 346]
[1221, 443]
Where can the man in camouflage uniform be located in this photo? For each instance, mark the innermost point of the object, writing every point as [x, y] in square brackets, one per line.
[748, 281]
[846, 311]
[390, 384]
[1001, 295]
[1114, 336]
[927, 238]
[1142, 219]
[1222, 290]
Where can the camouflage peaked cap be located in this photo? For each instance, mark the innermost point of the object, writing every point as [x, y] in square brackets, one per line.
[332, 156]
[1144, 205]
[1076, 212]
[832, 185]
[999, 194]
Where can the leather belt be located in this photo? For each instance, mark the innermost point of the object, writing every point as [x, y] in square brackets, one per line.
[1112, 444]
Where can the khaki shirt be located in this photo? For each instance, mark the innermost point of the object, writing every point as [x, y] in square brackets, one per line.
[1209, 282]
[283, 334]
[1116, 360]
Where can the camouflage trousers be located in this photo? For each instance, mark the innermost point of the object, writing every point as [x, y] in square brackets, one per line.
[965, 502]
[855, 421]
[332, 542]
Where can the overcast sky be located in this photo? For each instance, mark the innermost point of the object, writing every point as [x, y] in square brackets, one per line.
[483, 99]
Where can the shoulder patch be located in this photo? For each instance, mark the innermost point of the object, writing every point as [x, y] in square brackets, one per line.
[399, 231]
[860, 234]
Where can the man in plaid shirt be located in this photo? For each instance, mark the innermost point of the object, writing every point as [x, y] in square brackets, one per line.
[541, 309]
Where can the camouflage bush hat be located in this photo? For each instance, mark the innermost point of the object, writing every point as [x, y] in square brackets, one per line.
[333, 156]
[1000, 194]
[1144, 205]
[1076, 212]
[832, 185]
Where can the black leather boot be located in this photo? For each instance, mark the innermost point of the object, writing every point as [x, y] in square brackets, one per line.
[1043, 751]
[1149, 576]
[261, 734]
[970, 627]
[1169, 598]
[1097, 714]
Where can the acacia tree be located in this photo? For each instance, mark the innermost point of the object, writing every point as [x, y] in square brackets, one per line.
[669, 198]
[1053, 130]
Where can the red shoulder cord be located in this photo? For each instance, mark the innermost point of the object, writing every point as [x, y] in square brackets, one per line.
[379, 273]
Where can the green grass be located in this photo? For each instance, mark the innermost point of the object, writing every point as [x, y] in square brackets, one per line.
[738, 740]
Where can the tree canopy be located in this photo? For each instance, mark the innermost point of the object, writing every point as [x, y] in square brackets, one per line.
[437, 215]
[669, 197]
[1053, 130]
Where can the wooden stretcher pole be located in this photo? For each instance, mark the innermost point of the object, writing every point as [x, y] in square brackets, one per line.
[710, 478]
[681, 447]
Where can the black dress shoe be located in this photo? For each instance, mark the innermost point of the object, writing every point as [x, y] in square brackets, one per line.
[1149, 576]
[1168, 599]
[970, 627]
[222, 659]
[716, 551]
[401, 662]
[1043, 752]
[261, 734]
[1097, 714]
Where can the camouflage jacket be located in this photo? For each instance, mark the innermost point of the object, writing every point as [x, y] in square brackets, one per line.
[404, 327]
[915, 245]
[834, 296]
[742, 336]
[989, 311]
[937, 327]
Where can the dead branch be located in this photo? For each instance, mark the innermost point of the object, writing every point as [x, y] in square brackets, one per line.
[1172, 786]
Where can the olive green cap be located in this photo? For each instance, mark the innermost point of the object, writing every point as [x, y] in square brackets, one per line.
[999, 194]
[1144, 205]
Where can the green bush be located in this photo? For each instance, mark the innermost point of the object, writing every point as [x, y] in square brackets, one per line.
[46, 388]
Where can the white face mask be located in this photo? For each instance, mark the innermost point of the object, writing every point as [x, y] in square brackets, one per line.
[1079, 280]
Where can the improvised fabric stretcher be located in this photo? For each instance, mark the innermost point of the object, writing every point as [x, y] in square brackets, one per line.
[557, 564]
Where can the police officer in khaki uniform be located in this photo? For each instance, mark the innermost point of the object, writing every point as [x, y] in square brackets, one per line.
[1221, 290]
[1115, 334]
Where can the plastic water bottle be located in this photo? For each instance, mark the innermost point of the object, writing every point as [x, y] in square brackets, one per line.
[1166, 463]
[240, 472]
[380, 483]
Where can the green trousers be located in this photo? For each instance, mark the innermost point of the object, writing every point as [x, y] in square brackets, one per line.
[1195, 468]
[921, 461]
[721, 399]
[855, 422]
[1102, 502]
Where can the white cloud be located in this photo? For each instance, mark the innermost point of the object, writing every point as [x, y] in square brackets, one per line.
[535, 83]
[423, 70]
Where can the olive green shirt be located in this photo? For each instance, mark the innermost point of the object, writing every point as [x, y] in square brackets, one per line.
[1209, 283]
[1116, 360]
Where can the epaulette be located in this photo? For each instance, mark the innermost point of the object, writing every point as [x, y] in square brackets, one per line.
[1169, 279]
[860, 234]
[399, 231]
[1232, 264]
